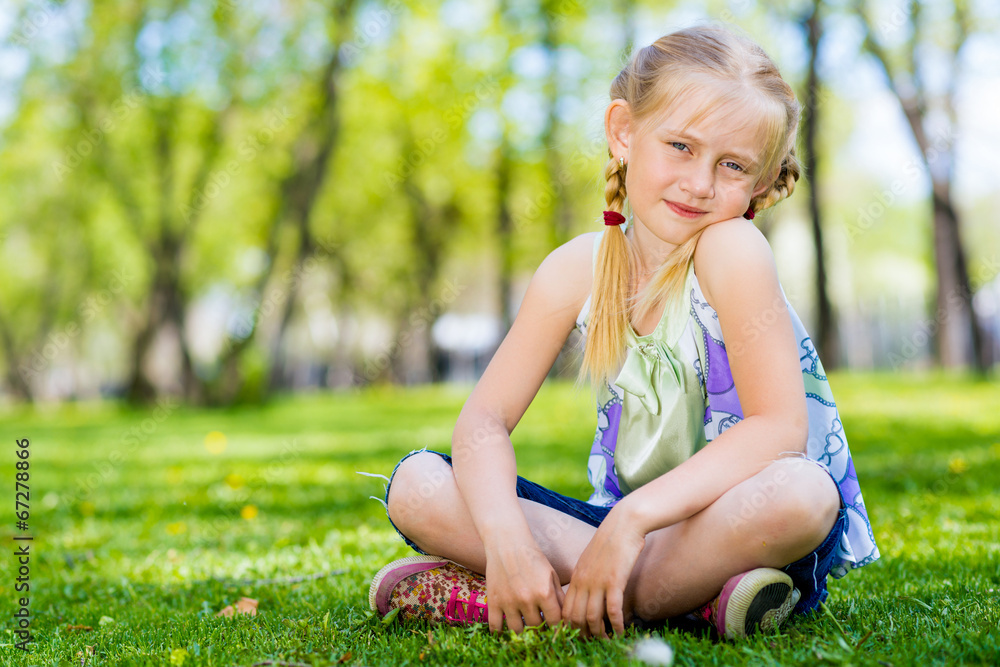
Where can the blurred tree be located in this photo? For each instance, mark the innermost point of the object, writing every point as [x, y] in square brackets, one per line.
[930, 114]
[826, 326]
[298, 193]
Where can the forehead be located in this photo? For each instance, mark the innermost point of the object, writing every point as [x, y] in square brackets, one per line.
[732, 118]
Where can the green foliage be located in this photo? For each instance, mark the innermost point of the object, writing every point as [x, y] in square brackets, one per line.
[140, 535]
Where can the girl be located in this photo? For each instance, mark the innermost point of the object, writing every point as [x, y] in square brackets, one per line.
[723, 485]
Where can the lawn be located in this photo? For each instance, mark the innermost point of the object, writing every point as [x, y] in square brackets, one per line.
[146, 524]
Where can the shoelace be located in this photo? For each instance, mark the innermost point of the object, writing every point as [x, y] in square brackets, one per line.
[474, 612]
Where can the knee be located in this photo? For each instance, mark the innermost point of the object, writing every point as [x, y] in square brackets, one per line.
[804, 501]
[416, 485]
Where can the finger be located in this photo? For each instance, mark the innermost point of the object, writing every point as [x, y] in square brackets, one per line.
[595, 614]
[514, 621]
[495, 615]
[615, 612]
[569, 606]
[568, 599]
[552, 609]
[532, 616]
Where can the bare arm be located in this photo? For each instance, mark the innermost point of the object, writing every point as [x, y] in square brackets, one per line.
[484, 463]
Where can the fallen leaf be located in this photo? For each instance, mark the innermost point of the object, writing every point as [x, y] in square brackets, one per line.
[344, 658]
[244, 606]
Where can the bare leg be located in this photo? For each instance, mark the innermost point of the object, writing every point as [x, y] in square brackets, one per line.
[426, 505]
[772, 519]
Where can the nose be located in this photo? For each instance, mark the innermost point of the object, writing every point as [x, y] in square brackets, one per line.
[699, 180]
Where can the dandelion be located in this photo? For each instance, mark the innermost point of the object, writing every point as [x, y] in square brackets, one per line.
[215, 442]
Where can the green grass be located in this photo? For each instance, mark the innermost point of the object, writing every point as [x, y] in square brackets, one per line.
[144, 527]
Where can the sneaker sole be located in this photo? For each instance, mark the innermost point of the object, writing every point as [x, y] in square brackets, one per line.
[756, 601]
[393, 573]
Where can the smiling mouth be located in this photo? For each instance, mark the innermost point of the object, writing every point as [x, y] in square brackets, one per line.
[685, 211]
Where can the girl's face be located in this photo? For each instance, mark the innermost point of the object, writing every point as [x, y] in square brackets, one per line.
[684, 177]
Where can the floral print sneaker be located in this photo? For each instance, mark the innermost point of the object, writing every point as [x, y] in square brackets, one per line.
[429, 588]
[759, 599]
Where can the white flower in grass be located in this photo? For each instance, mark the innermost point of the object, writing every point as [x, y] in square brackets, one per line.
[653, 651]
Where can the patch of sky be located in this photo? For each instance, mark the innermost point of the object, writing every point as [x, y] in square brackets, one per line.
[466, 16]
[525, 110]
[13, 66]
[530, 62]
[485, 127]
[185, 55]
[890, 22]
[314, 44]
[485, 53]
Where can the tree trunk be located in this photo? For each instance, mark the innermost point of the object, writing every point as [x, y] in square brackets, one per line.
[960, 341]
[826, 338]
[959, 338]
[504, 233]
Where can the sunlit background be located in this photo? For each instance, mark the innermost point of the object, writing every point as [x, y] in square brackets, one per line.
[221, 200]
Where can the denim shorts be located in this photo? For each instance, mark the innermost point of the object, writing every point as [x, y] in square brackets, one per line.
[808, 573]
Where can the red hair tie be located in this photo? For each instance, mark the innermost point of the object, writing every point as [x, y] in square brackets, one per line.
[613, 218]
[749, 214]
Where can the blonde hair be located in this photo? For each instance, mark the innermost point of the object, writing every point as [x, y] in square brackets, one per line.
[734, 70]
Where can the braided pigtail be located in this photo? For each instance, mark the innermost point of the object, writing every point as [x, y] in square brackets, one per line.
[783, 186]
[609, 313]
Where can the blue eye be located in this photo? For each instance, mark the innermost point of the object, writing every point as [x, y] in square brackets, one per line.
[733, 165]
[678, 145]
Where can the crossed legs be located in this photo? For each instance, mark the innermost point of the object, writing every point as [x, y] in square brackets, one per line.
[770, 520]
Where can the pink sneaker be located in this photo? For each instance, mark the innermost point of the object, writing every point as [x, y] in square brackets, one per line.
[429, 588]
[759, 599]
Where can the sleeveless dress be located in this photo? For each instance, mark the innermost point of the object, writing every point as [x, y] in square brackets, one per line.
[676, 388]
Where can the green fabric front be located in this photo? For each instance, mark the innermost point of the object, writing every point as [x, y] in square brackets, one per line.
[663, 408]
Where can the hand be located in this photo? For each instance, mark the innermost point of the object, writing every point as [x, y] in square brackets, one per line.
[600, 576]
[521, 588]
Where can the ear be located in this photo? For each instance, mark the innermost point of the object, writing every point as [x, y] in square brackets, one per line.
[617, 118]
